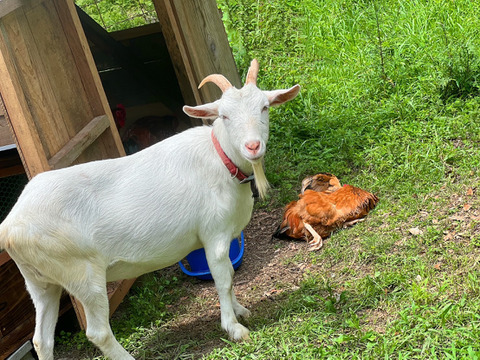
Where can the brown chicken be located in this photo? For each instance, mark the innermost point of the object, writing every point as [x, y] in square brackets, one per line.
[324, 206]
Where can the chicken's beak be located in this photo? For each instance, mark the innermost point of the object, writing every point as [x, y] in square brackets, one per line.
[308, 187]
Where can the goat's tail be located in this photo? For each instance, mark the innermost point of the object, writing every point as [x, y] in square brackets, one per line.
[5, 238]
[3, 242]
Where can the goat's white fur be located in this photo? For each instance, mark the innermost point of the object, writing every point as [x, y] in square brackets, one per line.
[78, 227]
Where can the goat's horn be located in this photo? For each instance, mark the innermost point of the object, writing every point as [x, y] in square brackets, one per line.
[219, 80]
[252, 73]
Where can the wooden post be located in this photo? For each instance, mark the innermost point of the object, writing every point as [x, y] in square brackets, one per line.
[198, 46]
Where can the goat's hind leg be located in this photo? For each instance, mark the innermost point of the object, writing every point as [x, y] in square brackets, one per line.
[46, 299]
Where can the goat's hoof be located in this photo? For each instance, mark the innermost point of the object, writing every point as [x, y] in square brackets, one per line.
[242, 312]
[238, 332]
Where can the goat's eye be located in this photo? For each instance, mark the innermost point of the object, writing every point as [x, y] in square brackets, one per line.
[265, 108]
[223, 117]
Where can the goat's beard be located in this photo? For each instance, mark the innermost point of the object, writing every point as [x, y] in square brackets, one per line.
[261, 181]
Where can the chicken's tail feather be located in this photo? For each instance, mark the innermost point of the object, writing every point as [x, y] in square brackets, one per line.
[291, 226]
[281, 233]
[372, 201]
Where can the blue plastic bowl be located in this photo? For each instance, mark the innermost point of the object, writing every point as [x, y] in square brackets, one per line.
[198, 260]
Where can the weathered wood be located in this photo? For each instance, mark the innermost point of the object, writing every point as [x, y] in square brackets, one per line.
[118, 292]
[8, 6]
[16, 310]
[6, 137]
[198, 45]
[109, 143]
[24, 128]
[4, 257]
[136, 32]
[77, 145]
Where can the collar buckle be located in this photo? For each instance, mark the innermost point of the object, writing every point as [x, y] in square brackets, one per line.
[248, 179]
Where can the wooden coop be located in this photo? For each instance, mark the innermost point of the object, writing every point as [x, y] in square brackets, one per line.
[71, 92]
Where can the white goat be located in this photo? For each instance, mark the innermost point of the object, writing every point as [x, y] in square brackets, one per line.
[79, 227]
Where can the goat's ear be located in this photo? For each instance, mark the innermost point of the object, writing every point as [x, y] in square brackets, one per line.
[278, 97]
[206, 111]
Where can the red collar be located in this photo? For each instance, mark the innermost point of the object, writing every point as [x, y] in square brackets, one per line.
[234, 170]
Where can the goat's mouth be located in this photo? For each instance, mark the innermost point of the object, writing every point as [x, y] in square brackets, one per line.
[254, 151]
[253, 159]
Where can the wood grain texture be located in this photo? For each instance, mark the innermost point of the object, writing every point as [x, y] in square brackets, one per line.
[16, 310]
[6, 137]
[77, 145]
[198, 45]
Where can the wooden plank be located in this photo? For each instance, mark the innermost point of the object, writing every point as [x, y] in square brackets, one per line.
[109, 143]
[77, 306]
[12, 170]
[77, 145]
[16, 104]
[8, 6]
[117, 294]
[171, 30]
[58, 77]
[4, 257]
[47, 61]
[135, 32]
[16, 309]
[6, 137]
[198, 46]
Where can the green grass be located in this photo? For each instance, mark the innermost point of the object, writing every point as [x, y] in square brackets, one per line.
[392, 123]
[389, 102]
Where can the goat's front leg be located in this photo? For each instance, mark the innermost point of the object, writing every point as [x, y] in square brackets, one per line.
[222, 272]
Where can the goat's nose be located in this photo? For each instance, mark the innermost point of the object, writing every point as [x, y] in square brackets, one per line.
[253, 147]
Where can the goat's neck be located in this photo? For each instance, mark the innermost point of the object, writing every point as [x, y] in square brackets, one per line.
[234, 154]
